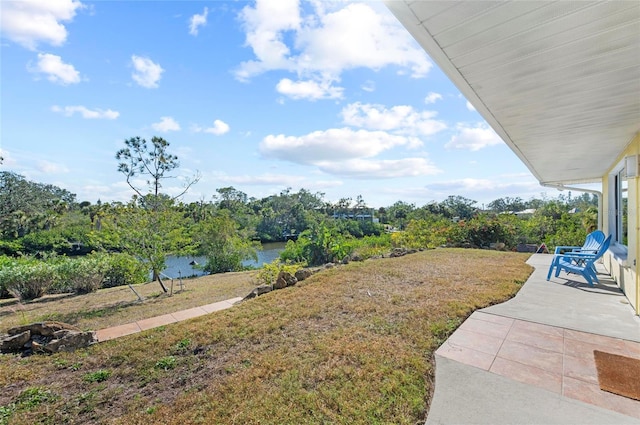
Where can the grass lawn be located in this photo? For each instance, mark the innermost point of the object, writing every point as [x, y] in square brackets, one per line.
[119, 305]
[350, 345]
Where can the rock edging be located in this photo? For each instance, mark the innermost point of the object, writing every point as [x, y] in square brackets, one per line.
[45, 337]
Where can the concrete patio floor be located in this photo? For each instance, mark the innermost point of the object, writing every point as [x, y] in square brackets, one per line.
[530, 360]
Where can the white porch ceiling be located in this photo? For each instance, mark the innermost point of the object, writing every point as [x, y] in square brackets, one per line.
[558, 81]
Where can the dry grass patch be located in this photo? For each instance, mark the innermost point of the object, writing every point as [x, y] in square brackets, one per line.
[119, 305]
[351, 345]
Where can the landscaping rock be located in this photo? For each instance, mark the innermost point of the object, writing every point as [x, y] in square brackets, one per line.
[398, 252]
[45, 337]
[280, 283]
[303, 274]
[284, 279]
[36, 347]
[15, 342]
[70, 341]
[259, 290]
[43, 328]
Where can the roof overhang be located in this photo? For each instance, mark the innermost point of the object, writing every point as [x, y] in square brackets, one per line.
[558, 81]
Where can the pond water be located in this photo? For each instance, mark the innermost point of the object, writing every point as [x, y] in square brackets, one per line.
[183, 266]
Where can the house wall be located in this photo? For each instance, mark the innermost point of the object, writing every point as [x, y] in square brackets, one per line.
[620, 262]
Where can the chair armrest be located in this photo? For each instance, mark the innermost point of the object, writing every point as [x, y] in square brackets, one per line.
[565, 248]
[577, 255]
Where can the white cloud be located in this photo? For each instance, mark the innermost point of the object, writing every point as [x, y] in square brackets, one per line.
[198, 21]
[265, 25]
[219, 128]
[473, 138]
[51, 167]
[432, 97]
[369, 86]
[166, 124]
[7, 160]
[55, 70]
[380, 169]
[324, 44]
[146, 72]
[488, 189]
[86, 112]
[470, 106]
[29, 22]
[401, 118]
[339, 144]
[271, 182]
[284, 180]
[312, 90]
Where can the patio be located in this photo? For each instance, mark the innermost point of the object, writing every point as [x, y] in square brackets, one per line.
[530, 359]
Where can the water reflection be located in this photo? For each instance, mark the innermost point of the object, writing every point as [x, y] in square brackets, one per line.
[190, 266]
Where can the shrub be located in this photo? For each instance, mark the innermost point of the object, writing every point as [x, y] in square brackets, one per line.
[369, 246]
[423, 234]
[10, 247]
[269, 272]
[321, 243]
[82, 275]
[5, 264]
[482, 230]
[122, 269]
[28, 280]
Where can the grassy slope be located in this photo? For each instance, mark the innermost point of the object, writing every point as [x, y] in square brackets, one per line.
[116, 306]
[349, 345]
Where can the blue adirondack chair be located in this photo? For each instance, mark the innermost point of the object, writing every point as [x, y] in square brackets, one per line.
[579, 263]
[591, 245]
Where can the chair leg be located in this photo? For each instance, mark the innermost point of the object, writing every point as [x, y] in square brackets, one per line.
[588, 278]
[553, 264]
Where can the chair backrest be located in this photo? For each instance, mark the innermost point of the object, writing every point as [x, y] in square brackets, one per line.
[602, 250]
[593, 242]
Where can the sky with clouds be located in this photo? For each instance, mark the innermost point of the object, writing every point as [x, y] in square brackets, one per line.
[329, 96]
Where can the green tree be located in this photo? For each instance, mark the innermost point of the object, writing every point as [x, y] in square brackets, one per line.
[140, 159]
[461, 207]
[150, 235]
[224, 245]
[152, 231]
[398, 214]
[27, 206]
[286, 214]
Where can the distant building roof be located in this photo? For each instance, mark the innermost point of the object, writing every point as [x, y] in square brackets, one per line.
[528, 211]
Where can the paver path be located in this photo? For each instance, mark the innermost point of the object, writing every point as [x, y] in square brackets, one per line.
[165, 319]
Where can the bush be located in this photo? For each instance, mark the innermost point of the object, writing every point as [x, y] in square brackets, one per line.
[424, 233]
[5, 264]
[28, 280]
[483, 230]
[321, 243]
[269, 272]
[369, 246]
[82, 275]
[10, 247]
[122, 269]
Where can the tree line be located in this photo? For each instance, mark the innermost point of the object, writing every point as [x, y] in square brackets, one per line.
[40, 221]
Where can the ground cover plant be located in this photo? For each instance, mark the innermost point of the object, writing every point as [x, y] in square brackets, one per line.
[350, 345]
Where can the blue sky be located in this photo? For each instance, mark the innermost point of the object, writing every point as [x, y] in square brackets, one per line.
[329, 96]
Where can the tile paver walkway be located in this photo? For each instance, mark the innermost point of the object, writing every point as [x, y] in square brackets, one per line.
[553, 358]
[165, 319]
